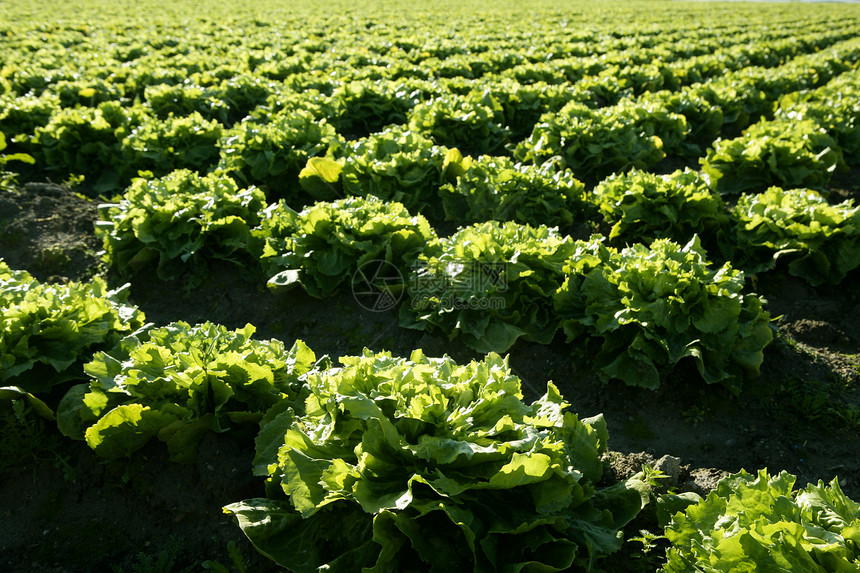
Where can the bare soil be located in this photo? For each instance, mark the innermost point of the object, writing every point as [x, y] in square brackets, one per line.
[64, 510]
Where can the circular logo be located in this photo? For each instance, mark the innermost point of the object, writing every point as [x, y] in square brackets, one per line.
[377, 285]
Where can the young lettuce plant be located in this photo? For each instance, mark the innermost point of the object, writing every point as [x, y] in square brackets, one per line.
[704, 120]
[166, 100]
[759, 523]
[178, 222]
[829, 107]
[325, 245]
[787, 153]
[47, 328]
[397, 165]
[820, 242]
[489, 284]
[271, 155]
[596, 143]
[496, 188]
[472, 123]
[183, 142]
[21, 116]
[88, 141]
[176, 383]
[365, 107]
[523, 105]
[651, 307]
[643, 207]
[423, 464]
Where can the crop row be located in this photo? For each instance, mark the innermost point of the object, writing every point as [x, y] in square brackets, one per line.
[491, 283]
[813, 134]
[641, 132]
[43, 55]
[431, 463]
[76, 128]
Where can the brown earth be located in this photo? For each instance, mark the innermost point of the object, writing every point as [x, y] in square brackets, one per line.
[65, 510]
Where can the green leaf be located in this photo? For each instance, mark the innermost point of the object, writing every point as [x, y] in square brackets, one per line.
[126, 429]
[182, 438]
[754, 522]
[273, 427]
[22, 157]
[284, 280]
[70, 417]
[455, 164]
[15, 393]
[320, 178]
[339, 537]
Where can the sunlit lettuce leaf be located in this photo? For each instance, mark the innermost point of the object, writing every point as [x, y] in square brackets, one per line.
[320, 178]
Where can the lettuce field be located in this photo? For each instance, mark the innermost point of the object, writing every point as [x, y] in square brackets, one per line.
[414, 286]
